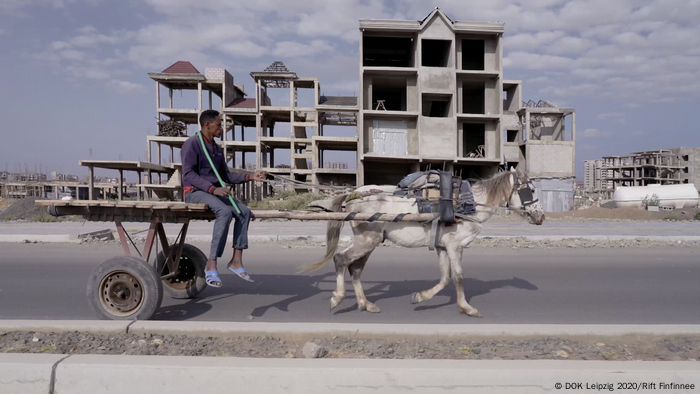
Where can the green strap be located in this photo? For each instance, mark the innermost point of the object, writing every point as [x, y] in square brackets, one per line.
[211, 164]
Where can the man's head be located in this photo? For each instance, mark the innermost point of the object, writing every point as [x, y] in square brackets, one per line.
[210, 122]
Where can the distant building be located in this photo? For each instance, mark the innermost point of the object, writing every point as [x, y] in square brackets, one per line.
[662, 166]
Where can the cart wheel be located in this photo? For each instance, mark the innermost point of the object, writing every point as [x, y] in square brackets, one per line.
[124, 288]
[190, 279]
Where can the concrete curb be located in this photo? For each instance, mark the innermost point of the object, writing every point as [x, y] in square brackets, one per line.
[155, 374]
[93, 326]
[255, 239]
[307, 330]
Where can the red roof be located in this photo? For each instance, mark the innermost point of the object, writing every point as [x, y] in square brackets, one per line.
[242, 103]
[181, 68]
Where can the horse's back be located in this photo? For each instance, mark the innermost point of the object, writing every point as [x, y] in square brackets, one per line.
[385, 203]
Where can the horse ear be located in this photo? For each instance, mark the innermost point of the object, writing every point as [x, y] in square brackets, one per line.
[512, 169]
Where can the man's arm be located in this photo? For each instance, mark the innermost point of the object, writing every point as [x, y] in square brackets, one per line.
[190, 169]
[234, 178]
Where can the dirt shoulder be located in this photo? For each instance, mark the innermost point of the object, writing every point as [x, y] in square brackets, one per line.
[624, 348]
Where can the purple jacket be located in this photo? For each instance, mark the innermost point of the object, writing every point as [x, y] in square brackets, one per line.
[196, 171]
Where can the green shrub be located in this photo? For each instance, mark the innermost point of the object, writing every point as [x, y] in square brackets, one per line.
[45, 218]
[697, 216]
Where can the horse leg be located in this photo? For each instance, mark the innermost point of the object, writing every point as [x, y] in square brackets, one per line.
[366, 239]
[444, 279]
[340, 261]
[355, 272]
[454, 251]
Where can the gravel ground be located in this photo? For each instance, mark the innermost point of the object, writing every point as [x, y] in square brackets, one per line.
[619, 348]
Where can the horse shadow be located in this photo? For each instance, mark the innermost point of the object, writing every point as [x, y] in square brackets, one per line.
[299, 288]
[472, 288]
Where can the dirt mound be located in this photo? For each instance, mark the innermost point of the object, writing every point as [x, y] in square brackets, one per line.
[624, 214]
[23, 209]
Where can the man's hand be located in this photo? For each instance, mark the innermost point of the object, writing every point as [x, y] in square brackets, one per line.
[221, 192]
[259, 175]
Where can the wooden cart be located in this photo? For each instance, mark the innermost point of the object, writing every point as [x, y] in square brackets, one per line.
[131, 288]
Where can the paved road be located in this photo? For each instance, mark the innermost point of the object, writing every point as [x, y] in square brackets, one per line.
[640, 286]
[628, 228]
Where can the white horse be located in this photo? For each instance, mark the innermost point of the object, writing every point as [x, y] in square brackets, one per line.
[512, 188]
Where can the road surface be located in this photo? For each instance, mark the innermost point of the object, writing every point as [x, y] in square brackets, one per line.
[527, 286]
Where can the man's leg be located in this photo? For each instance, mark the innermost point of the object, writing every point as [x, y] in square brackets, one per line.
[224, 215]
[240, 236]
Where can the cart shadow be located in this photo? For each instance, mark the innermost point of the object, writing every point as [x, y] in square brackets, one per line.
[303, 287]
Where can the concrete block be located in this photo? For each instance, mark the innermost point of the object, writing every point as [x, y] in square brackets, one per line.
[94, 326]
[105, 235]
[27, 373]
[159, 374]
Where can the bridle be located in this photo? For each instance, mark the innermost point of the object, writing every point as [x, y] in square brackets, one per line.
[525, 192]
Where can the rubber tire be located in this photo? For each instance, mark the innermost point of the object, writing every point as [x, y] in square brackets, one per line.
[195, 256]
[150, 283]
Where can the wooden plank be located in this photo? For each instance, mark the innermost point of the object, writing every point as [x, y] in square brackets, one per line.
[308, 215]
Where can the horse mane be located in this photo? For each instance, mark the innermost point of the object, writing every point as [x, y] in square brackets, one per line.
[497, 188]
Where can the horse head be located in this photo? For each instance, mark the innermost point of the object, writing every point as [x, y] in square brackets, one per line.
[522, 198]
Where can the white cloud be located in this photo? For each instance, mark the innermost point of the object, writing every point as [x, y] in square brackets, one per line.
[127, 87]
[534, 61]
[295, 49]
[243, 48]
[612, 115]
[72, 54]
[594, 133]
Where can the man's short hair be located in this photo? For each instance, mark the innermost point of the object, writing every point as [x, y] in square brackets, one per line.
[207, 116]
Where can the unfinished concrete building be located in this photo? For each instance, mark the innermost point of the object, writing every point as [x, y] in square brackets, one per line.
[289, 133]
[661, 166]
[433, 96]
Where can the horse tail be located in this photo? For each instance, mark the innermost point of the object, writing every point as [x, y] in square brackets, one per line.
[332, 237]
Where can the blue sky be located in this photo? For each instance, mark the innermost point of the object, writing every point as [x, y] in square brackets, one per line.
[74, 72]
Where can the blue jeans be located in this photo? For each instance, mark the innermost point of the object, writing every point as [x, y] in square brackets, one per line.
[224, 212]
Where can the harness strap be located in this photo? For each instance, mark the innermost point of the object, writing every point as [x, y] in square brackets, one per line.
[434, 228]
[399, 217]
[374, 217]
[350, 216]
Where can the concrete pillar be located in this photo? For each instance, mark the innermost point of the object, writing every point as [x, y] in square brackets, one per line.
[258, 145]
[138, 188]
[210, 100]
[292, 97]
[121, 184]
[224, 120]
[573, 126]
[91, 181]
[527, 125]
[157, 95]
[199, 100]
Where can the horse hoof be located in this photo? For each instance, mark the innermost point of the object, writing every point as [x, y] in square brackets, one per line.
[475, 314]
[415, 299]
[472, 313]
[369, 307]
[335, 302]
